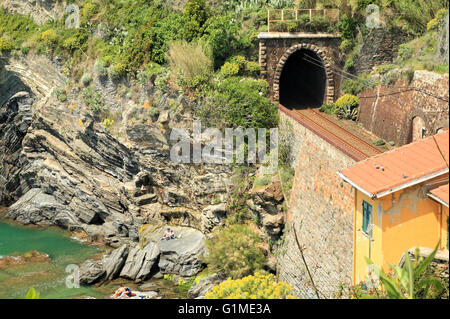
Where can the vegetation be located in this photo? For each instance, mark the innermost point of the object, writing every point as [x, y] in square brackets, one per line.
[235, 251]
[257, 286]
[414, 280]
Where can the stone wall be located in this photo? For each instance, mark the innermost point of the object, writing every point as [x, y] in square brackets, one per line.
[379, 46]
[389, 112]
[321, 210]
[273, 47]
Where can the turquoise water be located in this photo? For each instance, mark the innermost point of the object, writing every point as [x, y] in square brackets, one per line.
[47, 277]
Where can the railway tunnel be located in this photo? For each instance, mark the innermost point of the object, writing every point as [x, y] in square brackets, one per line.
[303, 81]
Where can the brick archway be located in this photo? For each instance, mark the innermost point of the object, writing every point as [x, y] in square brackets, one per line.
[329, 90]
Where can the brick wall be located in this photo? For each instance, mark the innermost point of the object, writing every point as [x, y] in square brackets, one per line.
[389, 112]
[321, 210]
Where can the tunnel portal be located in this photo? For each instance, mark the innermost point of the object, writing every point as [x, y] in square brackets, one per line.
[303, 81]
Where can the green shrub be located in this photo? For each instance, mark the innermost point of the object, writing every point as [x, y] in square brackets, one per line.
[117, 71]
[100, 68]
[353, 87]
[61, 95]
[196, 13]
[238, 102]
[222, 37]
[405, 52]
[230, 69]
[252, 68]
[347, 45]
[328, 108]
[379, 142]
[259, 286]
[92, 99]
[347, 99]
[262, 181]
[86, 79]
[235, 251]
[6, 45]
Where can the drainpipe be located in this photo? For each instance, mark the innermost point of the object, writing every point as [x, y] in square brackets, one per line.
[440, 225]
[354, 237]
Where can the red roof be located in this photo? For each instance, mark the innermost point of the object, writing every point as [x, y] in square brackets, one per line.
[441, 193]
[402, 167]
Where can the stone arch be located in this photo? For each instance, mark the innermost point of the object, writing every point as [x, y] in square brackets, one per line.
[329, 82]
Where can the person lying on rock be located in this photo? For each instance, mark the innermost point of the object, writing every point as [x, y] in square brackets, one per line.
[123, 292]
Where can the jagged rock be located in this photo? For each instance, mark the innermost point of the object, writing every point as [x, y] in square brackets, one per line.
[115, 262]
[140, 262]
[59, 166]
[148, 134]
[212, 216]
[146, 199]
[204, 285]
[149, 287]
[180, 256]
[91, 272]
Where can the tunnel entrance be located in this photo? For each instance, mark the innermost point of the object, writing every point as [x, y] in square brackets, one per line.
[303, 80]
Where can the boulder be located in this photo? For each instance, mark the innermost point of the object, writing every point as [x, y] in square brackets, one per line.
[115, 262]
[140, 262]
[212, 216]
[204, 286]
[182, 255]
[91, 272]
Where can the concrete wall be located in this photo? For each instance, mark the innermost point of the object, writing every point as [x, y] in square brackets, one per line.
[389, 112]
[321, 210]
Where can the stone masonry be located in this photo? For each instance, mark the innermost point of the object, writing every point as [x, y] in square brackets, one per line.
[389, 111]
[321, 210]
[276, 47]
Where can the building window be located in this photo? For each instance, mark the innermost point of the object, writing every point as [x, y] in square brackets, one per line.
[367, 216]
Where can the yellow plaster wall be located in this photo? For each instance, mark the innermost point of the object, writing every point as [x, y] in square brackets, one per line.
[361, 241]
[401, 220]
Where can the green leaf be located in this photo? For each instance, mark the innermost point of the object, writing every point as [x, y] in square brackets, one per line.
[426, 262]
[409, 280]
[32, 294]
[392, 289]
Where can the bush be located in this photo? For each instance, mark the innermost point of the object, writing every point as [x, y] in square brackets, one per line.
[252, 68]
[92, 99]
[328, 108]
[229, 69]
[86, 79]
[49, 36]
[196, 13]
[234, 250]
[434, 23]
[347, 45]
[61, 95]
[221, 35]
[100, 68]
[6, 45]
[242, 103]
[347, 99]
[259, 286]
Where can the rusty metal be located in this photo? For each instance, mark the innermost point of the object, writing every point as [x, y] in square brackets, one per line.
[348, 143]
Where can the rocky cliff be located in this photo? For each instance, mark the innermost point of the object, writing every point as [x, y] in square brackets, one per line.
[59, 166]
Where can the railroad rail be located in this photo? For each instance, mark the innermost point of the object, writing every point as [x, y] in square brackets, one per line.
[348, 143]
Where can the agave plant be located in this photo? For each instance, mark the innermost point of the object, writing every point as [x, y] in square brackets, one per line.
[408, 279]
[347, 112]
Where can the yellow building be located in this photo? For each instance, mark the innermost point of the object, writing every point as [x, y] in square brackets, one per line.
[401, 201]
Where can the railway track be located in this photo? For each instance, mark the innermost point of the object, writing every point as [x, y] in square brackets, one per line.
[337, 136]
